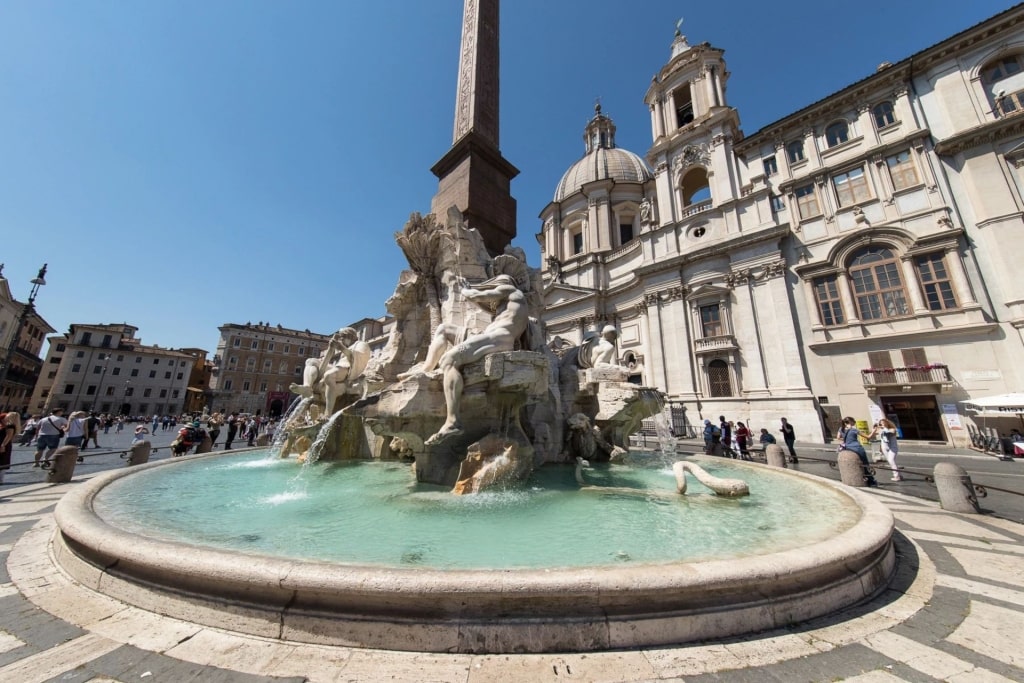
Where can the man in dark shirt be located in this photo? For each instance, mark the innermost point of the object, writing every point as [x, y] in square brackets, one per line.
[232, 429]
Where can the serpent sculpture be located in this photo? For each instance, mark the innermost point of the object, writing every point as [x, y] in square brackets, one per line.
[730, 488]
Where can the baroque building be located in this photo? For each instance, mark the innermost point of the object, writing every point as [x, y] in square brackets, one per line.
[853, 258]
[22, 352]
[107, 369]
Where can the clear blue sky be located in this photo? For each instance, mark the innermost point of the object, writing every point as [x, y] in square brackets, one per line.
[183, 163]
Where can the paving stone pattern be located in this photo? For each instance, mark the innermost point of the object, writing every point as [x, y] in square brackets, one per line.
[953, 612]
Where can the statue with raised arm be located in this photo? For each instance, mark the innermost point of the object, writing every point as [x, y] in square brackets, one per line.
[511, 317]
[342, 362]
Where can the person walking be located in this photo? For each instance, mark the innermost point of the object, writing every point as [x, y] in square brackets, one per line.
[78, 430]
[789, 436]
[849, 440]
[29, 432]
[886, 432]
[232, 429]
[10, 425]
[213, 424]
[92, 424]
[742, 439]
[709, 437]
[51, 429]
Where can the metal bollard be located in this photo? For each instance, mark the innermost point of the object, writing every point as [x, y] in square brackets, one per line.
[956, 491]
[851, 469]
[62, 465]
[774, 455]
[139, 453]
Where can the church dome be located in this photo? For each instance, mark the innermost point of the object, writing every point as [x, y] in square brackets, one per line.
[603, 160]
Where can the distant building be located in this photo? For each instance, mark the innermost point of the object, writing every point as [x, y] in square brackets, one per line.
[105, 368]
[16, 390]
[198, 392]
[860, 256]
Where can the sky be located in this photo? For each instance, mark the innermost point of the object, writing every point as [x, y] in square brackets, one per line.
[182, 164]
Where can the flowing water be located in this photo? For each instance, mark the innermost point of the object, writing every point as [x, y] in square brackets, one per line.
[374, 513]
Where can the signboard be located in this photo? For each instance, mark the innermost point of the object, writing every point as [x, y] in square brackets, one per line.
[875, 411]
[951, 416]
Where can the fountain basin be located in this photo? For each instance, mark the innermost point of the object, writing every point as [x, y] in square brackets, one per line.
[475, 610]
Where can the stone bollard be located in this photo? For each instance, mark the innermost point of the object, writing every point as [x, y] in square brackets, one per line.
[263, 440]
[139, 452]
[774, 456]
[206, 445]
[62, 465]
[851, 469]
[956, 492]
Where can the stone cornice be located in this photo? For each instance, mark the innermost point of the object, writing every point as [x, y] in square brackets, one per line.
[986, 133]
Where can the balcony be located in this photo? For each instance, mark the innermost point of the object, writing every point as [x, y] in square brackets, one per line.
[694, 209]
[911, 378]
[725, 342]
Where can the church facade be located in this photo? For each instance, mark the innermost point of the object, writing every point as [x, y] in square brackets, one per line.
[857, 257]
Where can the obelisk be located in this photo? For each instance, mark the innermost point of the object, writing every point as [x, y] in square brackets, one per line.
[473, 175]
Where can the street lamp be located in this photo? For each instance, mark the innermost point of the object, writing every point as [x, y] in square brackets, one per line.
[106, 362]
[26, 310]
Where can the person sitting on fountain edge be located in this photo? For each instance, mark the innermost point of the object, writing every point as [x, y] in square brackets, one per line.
[508, 325]
[188, 436]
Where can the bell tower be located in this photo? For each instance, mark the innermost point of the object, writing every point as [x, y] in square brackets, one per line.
[473, 175]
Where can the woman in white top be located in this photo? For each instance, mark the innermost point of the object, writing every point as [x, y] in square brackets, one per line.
[886, 432]
[76, 429]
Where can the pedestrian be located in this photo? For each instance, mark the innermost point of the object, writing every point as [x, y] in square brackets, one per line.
[51, 429]
[214, 423]
[11, 426]
[742, 437]
[232, 429]
[789, 436]
[709, 436]
[165, 422]
[77, 429]
[29, 432]
[766, 437]
[887, 435]
[725, 428]
[92, 424]
[119, 424]
[156, 422]
[140, 434]
[849, 440]
[250, 431]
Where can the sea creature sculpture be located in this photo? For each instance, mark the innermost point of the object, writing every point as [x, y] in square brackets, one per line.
[730, 488]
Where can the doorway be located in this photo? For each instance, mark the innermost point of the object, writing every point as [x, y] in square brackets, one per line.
[917, 417]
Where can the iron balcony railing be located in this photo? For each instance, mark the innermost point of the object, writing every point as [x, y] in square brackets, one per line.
[935, 373]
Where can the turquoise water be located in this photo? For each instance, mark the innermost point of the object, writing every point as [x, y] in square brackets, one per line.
[374, 513]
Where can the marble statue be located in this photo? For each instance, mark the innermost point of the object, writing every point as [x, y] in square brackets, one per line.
[335, 371]
[729, 488]
[599, 351]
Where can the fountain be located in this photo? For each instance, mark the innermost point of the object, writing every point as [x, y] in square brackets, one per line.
[487, 542]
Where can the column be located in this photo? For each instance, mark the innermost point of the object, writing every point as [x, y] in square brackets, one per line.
[846, 297]
[912, 286]
[958, 276]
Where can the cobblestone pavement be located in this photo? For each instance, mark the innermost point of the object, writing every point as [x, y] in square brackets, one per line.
[954, 612]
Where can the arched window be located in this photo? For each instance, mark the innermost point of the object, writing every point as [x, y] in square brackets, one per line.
[884, 114]
[1004, 84]
[719, 385]
[695, 186]
[837, 133]
[877, 286]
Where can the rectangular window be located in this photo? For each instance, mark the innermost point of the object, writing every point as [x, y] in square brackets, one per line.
[879, 360]
[795, 151]
[236, 342]
[86, 338]
[156, 361]
[115, 371]
[777, 203]
[270, 346]
[143, 408]
[266, 366]
[298, 369]
[167, 375]
[901, 170]
[163, 393]
[181, 375]
[97, 369]
[90, 390]
[263, 386]
[152, 374]
[55, 360]
[851, 187]
[914, 356]
[147, 392]
[110, 391]
[577, 242]
[287, 348]
[138, 359]
[807, 202]
[255, 345]
[682, 101]
[120, 357]
[246, 385]
[80, 354]
[625, 233]
[170, 362]
[61, 347]
[935, 284]
[106, 341]
[227, 385]
[135, 372]
[51, 375]
[771, 167]
[69, 388]
[77, 367]
[174, 394]
[710, 320]
[826, 290]
[129, 391]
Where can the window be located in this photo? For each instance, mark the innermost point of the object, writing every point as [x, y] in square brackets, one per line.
[120, 357]
[795, 151]
[875, 274]
[90, 390]
[77, 367]
[147, 392]
[170, 362]
[884, 114]
[771, 167]
[879, 360]
[51, 375]
[182, 364]
[61, 347]
[227, 385]
[97, 369]
[180, 375]
[152, 374]
[163, 393]
[287, 348]
[138, 359]
[807, 202]
[255, 345]
[826, 291]
[115, 371]
[711, 320]
[777, 203]
[129, 391]
[86, 338]
[106, 341]
[263, 386]
[270, 346]
[935, 284]
[54, 360]
[851, 187]
[245, 385]
[143, 408]
[625, 233]
[167, 375]
[174, 394]
[236, 342]
[298, 369]
[577, 242]
[69, 388]
[110, 391]
[682, 101]
[135, 372]
[232, 360]
[266, 365]
[283, 367]
[250, 364]
[80, 354]
[1003, 85]
[718, 379]
[156, 361]
[302, 350]
[837, 133]
[901, 170]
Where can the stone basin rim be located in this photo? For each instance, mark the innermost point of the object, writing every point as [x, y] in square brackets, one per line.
[848, 567]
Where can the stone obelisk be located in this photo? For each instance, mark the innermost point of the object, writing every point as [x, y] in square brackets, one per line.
[473, 175]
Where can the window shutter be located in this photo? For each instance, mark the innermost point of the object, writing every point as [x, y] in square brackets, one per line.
[879, 359]
[914, 357]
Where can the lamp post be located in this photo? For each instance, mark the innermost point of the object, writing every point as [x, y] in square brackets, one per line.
[106, 362]
[26, 310]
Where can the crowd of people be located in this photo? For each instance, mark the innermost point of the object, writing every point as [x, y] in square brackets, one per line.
[734, 439]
